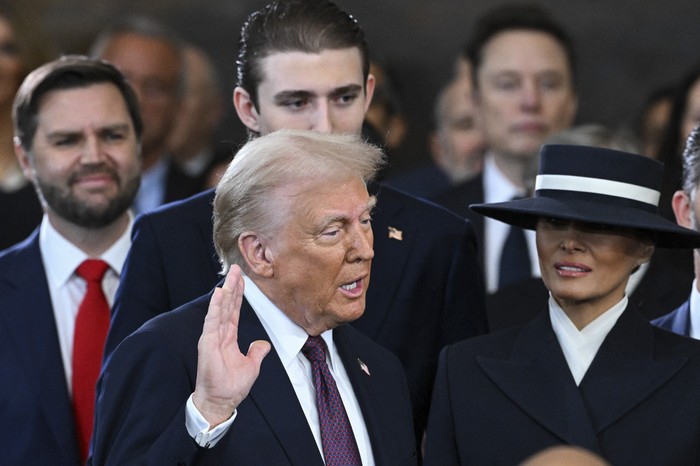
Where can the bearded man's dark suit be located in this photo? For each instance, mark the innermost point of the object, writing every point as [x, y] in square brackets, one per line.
[38, 426]
[140, 413]
[426, 288]
[502, 397]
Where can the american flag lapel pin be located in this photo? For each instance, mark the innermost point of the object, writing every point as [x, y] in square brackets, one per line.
[363, 366]
[395, 233]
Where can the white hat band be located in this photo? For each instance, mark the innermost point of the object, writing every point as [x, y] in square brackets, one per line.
[598, 186]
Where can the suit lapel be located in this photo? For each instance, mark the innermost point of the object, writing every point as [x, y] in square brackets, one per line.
[366, 389]
[624, 371]
[206, 230]
[394, 234]
[681, 321]
[477, 220]
[275, 398]
[537, 378]
[27, 314]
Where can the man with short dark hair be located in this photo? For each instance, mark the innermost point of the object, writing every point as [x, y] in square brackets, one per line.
[304, 65]
[524, 91]
[77, 135]
[292, 225]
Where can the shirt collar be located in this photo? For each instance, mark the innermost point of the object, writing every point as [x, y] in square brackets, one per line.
[600, 326]
[581, 346]
[695, 311]
[497, 188]
[61, 257]
[287, 337]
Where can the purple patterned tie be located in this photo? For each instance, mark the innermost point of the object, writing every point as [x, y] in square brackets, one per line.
[339, 447]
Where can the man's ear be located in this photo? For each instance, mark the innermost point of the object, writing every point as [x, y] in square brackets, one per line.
[369, 90]
[682, 208]
[257, 254]
[245, 108]
[23, 159]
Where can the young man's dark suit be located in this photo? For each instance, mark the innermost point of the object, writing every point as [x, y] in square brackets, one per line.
[38, 426]
[676, 321]
[270, 427]
[458, 198]
[502, 397]
[425, 291]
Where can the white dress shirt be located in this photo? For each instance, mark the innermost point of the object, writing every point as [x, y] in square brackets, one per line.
[695, 311]
[288, 339]
[151, 192]
[196, 165]
[498, 188]
[581, 346]
[61, 258]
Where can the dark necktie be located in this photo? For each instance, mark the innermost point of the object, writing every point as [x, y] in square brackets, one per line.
[515, 258]
[339, 447]
[91, 327]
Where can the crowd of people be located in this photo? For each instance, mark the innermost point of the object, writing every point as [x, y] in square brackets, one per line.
[530, 297]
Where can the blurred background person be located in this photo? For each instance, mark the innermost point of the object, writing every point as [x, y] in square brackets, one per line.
[385, 124]
[524, 90]
[456, 144]
[191, 139]
[22, 48]
[151, 57]
[653, 119]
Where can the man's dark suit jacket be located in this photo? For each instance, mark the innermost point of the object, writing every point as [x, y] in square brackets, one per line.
[458, 198]
[37, 425]
[425, 290]
[502, 397]
[676, 321]
[140, 413]
[663, 287]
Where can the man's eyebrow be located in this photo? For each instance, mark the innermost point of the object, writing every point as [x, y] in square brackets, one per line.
[74, 132]
[344, 218]
[292, 95]
[114, 127]
[350, 88]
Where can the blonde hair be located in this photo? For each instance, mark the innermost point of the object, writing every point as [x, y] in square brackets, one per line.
[250, 189]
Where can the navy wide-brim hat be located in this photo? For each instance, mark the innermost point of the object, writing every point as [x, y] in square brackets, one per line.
[595, 185]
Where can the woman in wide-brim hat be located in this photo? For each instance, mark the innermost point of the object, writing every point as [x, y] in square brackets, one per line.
[589, 370]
